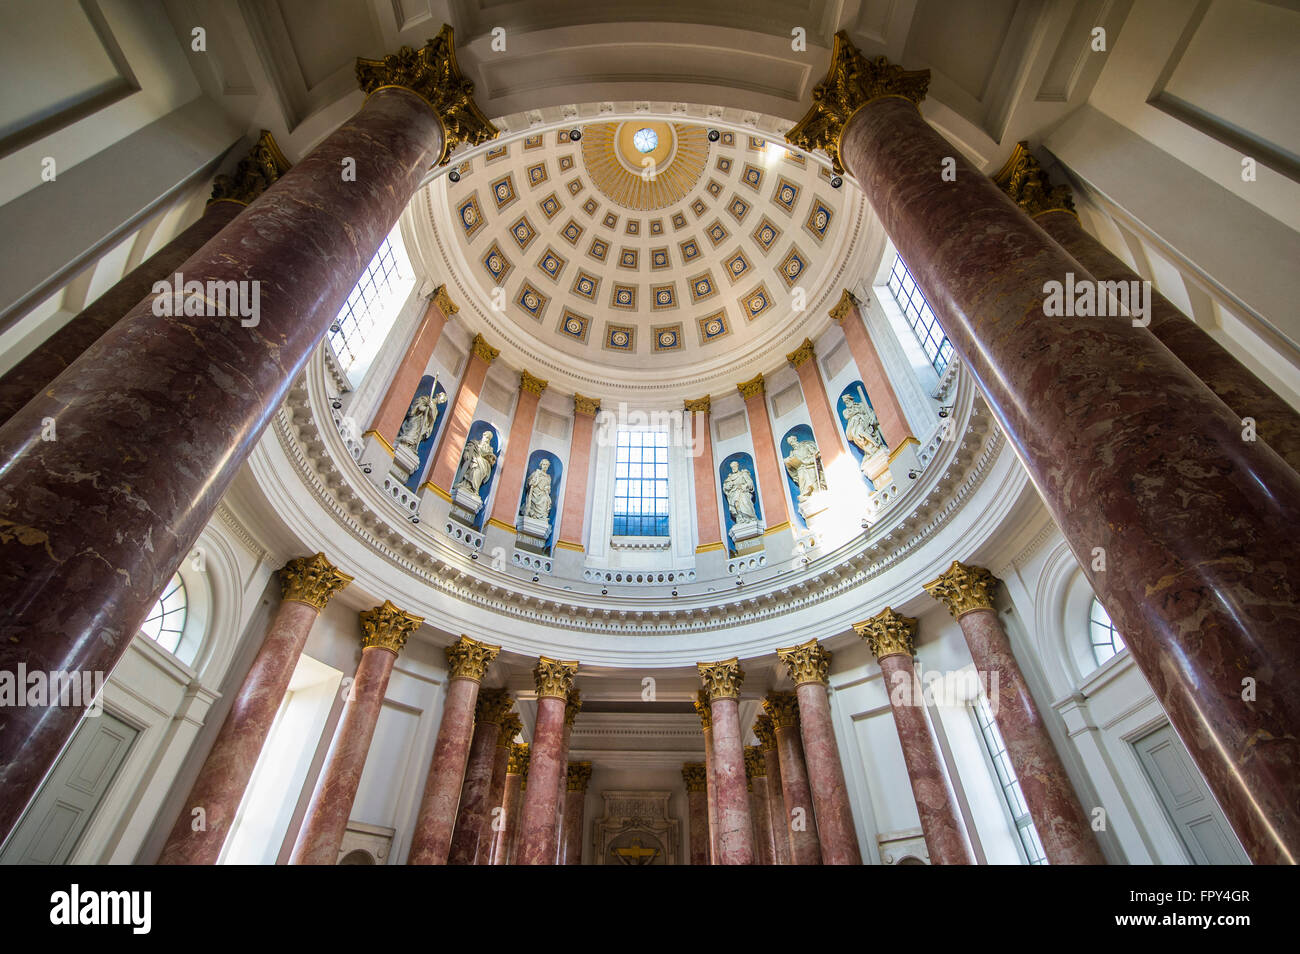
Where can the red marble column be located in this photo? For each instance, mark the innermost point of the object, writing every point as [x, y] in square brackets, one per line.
[467, 664]
[891, 637]
[1062, 824]
[156, 418]
[573, 518]
[572, 706]
[711, 792]
[809, 665]
[537, 834]
[515, 459]
[1134, 456]
[461, 416]
[385, 631]
[884, 400]
[796, 794]
[205, 819]
[511, 726]
[695, 775]
[735, 838]
[756, 773]
[825, 428]
[575, 804]
[516, 774]
[766, 733]
[230, 196]
[709, 530]
[1277, 422]
[473, 814]
[771, 481]
[401, 389]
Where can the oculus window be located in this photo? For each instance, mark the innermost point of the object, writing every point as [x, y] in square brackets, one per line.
[641, 484]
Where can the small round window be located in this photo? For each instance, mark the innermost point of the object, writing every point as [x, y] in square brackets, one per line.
[645, 140]
[166, 620]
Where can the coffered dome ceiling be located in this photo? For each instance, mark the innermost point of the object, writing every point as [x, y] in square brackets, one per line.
[644, 248]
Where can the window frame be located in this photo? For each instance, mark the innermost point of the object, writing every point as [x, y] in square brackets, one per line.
[621, 526]
[918, 315]
[1114, 641]
[1028, 842]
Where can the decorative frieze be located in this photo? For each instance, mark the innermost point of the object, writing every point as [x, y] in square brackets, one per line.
[469, 658]
[722, 679]
[888, 633]
[964, 588]
[808, 662]
[387, 627]
[312, 580]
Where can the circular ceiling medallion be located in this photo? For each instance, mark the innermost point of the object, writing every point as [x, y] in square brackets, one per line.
[644, 180]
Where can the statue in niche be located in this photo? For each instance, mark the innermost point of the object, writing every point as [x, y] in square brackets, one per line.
[537, 505]
[420, 420]
[804, 465]
[739, 491]
[861, 425]
[475, 464]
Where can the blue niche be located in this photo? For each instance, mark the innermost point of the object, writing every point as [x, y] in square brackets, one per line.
[428, 385]
[802, 432]
[747, 464]
[476, 432]
[858, 392]
[556, 471]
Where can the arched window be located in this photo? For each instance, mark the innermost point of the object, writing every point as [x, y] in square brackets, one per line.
[166, 620]
[1106, 639]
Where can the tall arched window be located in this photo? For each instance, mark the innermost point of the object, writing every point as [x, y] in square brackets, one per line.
[166, 620]
[1106, 639]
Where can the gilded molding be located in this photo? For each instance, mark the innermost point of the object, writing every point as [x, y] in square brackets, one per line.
[754, 386]
[909, 439]
[517, 764]
[256, 172]
[511, 726]
[382, 440]
[501, 525]
[387, 627]
[437, 490]
[696, 777]
[585, 405]
[698, 404]
[312, 580]
[432, 73]
[709, 547]
[722, 679]
[703, 711]
[755, 763]
[443, 301]
[492, 705]
[554, 678]
[889, 633]
[577, 776]
[765, 731]
[852, 82]
[844, 306]
[572, 706]
[570, 545]
[782, 708]
[964, 588]
[801, 354]
[807, 662]
[1026, 182]
[532, 385]
[482, 349]
[469, 658]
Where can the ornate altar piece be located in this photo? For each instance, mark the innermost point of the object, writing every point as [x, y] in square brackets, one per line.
[636, 829]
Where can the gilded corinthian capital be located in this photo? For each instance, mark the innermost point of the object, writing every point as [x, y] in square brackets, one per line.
[847, 303]
[531, 383]
[765, 731]
[808, 662]
[755, 763]
[387, 627]
[783, 709]
[585, 405]
[722, 679]
[964, 588]
[572, 706]
[482, 349]
[256, 172]
[1025, 181]
[577, 776]
[517, 764]
[888, 633]
[751, 387]
[694, 405]
[801, 354]
[469, 659]
[493, 705]
[511, 726]
[443, 301]
[695, 776]
[432, 73]
[554, 678]
[851, 82]
[703, 711]
[312, 580]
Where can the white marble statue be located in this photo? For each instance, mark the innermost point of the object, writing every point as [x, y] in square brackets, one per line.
[861, 425]
[804, 464]
[537, 505]
[420, 420]
[475, 464]
[739, 491]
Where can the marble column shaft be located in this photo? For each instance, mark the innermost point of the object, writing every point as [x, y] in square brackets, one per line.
[496, 814]
[695, 774]
[308, 585]
[514, 461]
[537, 831]
[708, 527]
[735, 829]
[710, 790]
[764, 849]
[156, 418]
[776, 805]
[510, 817]
[473, 812]
[572, 529]
[401, 389]
[48, 360]
[1277, 422]
[575, 805]
[771, 480]
[835, 831]
[796, 795]
[1203, 562]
